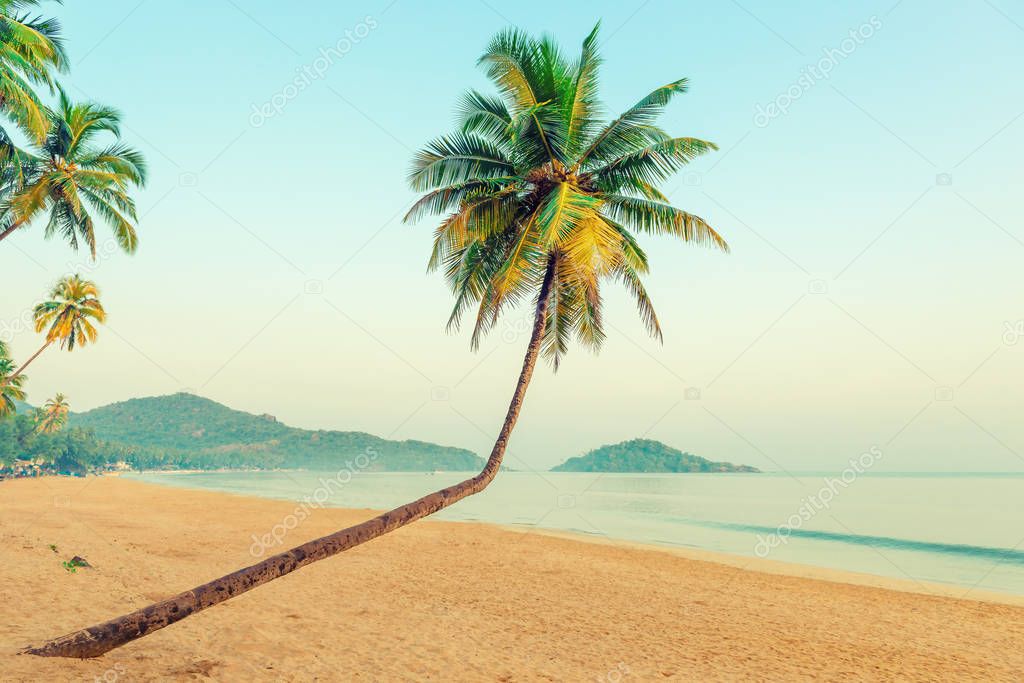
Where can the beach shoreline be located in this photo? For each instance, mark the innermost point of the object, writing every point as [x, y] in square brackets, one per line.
[781, 568]
[884, 572]
[523, 604]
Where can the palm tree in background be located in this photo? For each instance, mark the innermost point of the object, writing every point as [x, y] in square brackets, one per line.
[67, 318]
[76, 179]
[542, 204]
[53, 416]
[10, 387]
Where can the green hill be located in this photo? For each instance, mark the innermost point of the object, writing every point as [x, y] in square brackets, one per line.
[644, 455]
[188, 431]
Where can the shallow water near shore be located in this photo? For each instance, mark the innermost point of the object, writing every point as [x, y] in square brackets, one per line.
[963, 530]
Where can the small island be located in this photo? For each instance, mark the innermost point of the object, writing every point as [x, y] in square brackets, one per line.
[645, 456]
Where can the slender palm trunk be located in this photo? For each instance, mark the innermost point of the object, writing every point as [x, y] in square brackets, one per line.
[96, 640]
[11, 228]
[10, 378]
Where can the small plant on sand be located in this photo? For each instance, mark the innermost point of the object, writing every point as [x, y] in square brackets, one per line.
[73, 564]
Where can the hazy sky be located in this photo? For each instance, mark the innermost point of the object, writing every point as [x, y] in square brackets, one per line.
[869, 186]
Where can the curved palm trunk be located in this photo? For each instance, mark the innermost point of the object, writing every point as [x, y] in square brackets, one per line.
[96, 640]
[10, 378]
[14, 226]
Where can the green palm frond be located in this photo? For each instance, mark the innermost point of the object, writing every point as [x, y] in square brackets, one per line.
[31, 49]
[635, 127]
[476, 220]
[486, 116]
[631, 278]
[510, 61]
[580, 103]
[455, 159]
[449, 198]
[658, 218]
[651, 164]
[562, 213]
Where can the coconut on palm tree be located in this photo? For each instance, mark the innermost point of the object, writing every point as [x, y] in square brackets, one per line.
[67, 317]
[542, 204]
[53, 416]
[76, 178]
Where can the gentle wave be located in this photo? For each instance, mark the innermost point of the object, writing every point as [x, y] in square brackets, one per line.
[1010, 555]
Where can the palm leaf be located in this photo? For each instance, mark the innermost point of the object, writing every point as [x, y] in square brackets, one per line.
[635, 124]
[455, 159]
[658, 218]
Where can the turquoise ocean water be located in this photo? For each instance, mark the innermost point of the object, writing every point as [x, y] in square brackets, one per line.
[963, 530]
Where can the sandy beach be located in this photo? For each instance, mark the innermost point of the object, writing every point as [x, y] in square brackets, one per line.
[455, 601]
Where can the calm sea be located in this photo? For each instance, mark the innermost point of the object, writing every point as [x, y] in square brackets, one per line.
[964, 530]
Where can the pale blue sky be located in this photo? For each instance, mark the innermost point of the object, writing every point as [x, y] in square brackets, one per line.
[876, 229]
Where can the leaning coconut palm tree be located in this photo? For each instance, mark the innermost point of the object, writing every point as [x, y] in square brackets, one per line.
[542, 203]
[67, 317]
[53, 416]
[76, 179]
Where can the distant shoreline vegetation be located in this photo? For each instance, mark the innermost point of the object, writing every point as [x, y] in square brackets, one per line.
[645, 456]
[182, 432]
[187, 433]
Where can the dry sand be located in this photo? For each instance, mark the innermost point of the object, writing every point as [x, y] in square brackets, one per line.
[450, 601]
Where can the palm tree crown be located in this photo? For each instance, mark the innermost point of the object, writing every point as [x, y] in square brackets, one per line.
[54, 415]
[67, 316]
[72, 176]
[533, 184]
